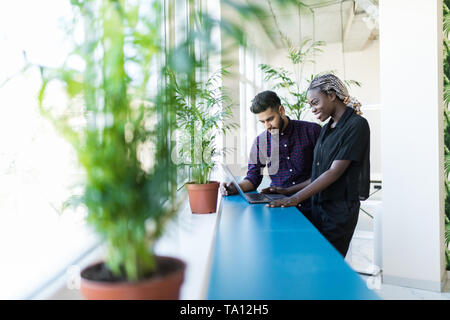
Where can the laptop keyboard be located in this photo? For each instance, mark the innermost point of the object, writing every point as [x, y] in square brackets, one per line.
[275, 196]
[255, 196]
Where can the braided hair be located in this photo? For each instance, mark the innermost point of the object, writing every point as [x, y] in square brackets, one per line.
[327, 83]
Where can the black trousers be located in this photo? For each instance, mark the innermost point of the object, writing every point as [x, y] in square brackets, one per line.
[336, 221]
[305, 208]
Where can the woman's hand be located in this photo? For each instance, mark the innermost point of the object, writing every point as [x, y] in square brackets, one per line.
[275, 190]
[285, 202]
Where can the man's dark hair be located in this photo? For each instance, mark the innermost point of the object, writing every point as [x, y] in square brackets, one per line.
[264, 100]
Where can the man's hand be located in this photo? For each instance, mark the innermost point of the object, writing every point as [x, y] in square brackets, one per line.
[275, 190]
[228, 189]
[285, 202]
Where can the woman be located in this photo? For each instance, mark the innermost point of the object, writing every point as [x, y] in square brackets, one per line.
[340, 173]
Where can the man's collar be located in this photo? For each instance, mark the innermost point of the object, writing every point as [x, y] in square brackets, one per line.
[288, 128]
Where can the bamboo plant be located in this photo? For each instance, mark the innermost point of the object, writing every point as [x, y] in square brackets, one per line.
[201, 121]
[120, 116]
[114, 124]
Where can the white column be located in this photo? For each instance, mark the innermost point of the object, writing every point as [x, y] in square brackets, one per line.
[411, 75]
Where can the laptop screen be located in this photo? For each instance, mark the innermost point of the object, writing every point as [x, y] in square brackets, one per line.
[233, 179]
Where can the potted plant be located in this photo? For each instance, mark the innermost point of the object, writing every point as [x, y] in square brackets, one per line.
[121, 136]
[119, 117]
[203, 114]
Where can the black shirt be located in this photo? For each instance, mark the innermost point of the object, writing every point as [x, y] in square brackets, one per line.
[349, 140]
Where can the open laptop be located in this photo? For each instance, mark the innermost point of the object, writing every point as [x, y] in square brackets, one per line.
[252, 197]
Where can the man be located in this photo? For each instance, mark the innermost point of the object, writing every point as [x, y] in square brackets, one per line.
[286, 148]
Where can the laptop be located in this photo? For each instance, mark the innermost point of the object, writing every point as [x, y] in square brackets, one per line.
[252, 197]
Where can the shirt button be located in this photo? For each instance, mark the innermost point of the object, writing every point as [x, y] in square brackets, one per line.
[293, 182]
[290, 170]
[317, 162]
[282, 133]
[288, 158]
[285, 145]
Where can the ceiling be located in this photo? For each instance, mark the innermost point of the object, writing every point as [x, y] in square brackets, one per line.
[353, 22]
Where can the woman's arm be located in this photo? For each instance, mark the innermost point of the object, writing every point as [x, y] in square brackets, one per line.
[287, 191]
[298, 187]
[337, 168]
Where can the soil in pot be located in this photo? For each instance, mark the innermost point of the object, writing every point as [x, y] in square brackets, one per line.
[99, 283]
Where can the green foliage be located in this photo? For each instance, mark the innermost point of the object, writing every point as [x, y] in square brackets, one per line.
[295, 100]
[122, 112]
[446, 14]
[111, 121]
[201, 121]
[121, 132]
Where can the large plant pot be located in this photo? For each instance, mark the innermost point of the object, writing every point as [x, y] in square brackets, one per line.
[164, 284]
[203, 197]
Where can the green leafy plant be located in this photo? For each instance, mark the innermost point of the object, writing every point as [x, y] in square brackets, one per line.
[113, 124]
[446, 15]
[295, 100]
[201, 120]
[121, 113]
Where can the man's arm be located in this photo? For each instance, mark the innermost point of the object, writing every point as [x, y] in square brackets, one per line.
[228, 189]
[253, 178]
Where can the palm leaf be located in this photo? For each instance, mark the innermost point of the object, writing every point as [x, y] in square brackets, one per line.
[447, 165]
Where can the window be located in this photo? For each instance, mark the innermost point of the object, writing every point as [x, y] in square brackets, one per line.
[37, 167]
[250, 84]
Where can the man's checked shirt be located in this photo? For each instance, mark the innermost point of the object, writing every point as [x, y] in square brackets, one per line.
[295, 156]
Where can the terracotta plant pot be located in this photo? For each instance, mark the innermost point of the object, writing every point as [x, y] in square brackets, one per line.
[203, 197]
[164, 284]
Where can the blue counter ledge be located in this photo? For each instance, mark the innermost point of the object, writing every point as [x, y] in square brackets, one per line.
[276, 253]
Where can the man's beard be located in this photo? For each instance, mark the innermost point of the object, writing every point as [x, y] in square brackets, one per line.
[278, 130]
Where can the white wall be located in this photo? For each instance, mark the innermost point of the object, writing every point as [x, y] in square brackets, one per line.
[362, 66]
[412, 142]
